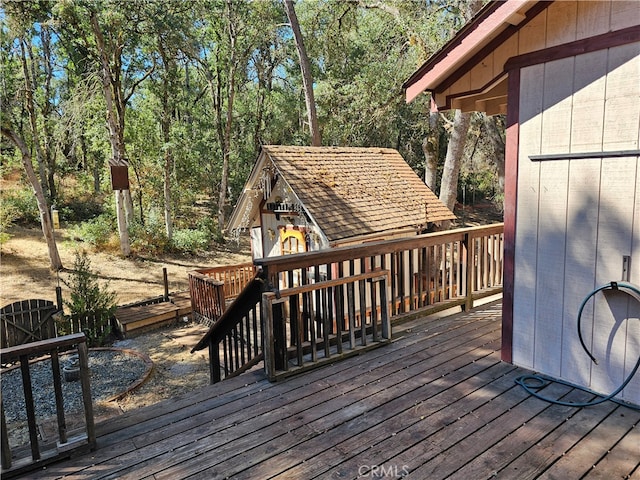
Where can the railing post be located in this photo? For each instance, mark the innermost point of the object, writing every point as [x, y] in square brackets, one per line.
[165, 281]
[85, 383]
[214, 362]
[384, 309]
[468, 243]
[267, 339]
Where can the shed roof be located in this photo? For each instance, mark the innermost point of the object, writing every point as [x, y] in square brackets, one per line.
[348, 191]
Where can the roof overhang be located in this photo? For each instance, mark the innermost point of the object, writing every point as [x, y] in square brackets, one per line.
[495, 22]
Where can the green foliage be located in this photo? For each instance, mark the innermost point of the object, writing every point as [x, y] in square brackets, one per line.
[190, 241]
[97, 232]
[8, 215]
[89, 303]
[78, 204]
[176, 112]
[22, 203]
[149, 238]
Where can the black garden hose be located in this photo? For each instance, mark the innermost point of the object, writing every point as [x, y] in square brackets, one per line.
[532, 383]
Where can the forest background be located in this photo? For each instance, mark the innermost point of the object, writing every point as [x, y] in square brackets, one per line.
[181, 94]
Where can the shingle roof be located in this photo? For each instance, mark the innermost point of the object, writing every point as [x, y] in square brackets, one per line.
[352, 191]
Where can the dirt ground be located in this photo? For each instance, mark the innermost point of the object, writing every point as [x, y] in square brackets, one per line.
[25, 273]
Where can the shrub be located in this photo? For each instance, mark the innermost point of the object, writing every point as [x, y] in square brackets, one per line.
[23, 203]
[190, 241]
[149, 238]
[90, 304]
[97, 232]
[8, 215]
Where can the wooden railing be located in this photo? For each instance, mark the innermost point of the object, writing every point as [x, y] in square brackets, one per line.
[323, 322]
[233, 277]
[428, 272]
[235, 339]
[22, 460]
[207, 298]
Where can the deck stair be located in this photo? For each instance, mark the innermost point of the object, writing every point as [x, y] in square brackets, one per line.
[138, 317]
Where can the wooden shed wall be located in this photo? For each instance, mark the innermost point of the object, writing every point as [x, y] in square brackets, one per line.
[576, 218]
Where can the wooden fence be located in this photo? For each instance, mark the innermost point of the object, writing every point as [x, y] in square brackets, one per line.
[27, 321]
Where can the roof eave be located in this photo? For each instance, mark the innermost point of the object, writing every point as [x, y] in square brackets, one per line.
[487, 24]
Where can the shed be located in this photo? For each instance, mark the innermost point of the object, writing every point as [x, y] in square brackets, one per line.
[567, 75]
[300, 199]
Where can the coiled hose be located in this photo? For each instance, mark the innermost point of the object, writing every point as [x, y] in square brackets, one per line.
[532, 383]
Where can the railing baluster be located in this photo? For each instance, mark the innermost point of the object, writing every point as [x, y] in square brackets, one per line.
[296, 319]
[374, 311]
[57, 388]
[30, 407]
[351, 311]
[4, 439]
[363, 311]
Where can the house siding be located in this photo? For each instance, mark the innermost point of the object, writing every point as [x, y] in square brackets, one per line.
[576, 218]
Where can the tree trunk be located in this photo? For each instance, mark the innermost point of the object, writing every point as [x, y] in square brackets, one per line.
[115, 138]
[165, 126]
[431, 148]
[226, 140]
[50, 157]
[43, 207]
[449, 183]
[307, 78]
[29, 79]
[497, 142]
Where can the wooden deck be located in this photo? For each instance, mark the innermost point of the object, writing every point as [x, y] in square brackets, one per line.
[436, 403]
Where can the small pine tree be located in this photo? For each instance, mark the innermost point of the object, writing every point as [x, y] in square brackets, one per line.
[90, 305]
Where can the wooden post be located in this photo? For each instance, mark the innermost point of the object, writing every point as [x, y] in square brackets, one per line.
[85, 383]
[166, 284]
[279, 335]
[4, 438]
[214, 362]
[384, 309]
[268, 349]
[31, 413]
[57, 388]
[469, 246]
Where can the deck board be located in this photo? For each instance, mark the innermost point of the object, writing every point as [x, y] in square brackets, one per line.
[437, 402]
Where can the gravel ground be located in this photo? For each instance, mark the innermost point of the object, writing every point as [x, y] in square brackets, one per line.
[112, 373]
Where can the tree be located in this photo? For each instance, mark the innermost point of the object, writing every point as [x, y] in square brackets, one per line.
[109, 41]
[18, 96]
[450, 173]
[45, 219]
[115, 123]
[307, 78]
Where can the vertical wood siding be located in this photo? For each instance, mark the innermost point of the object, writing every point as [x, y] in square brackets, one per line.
[576, 218]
